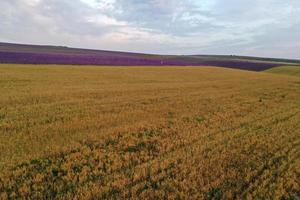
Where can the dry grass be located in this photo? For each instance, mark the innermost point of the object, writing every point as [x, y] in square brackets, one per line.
[81, 132]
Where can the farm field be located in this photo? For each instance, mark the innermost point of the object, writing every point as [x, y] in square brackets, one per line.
[287, 70]
[89, 132]
[36, 54]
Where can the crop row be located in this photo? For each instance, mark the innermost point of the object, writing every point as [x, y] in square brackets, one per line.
[156, 162]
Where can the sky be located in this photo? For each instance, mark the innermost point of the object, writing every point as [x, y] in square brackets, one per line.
[266, 28]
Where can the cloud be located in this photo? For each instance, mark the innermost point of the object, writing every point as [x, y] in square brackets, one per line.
[254, 27]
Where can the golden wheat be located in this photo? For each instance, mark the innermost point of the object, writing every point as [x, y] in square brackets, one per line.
[83, 132]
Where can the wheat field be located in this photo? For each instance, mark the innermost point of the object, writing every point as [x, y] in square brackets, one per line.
[88, 132]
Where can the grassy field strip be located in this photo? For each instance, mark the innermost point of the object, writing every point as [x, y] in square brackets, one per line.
[285, 70]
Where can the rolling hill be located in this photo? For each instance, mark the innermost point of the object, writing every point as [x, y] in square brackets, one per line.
[89, 132]
[34, 54]
[287, 70]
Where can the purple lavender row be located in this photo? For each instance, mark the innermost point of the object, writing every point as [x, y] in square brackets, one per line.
[122, 60]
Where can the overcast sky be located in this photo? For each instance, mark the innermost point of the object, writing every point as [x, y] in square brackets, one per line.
[242, 27]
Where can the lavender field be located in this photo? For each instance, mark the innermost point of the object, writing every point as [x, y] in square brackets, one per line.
[30, 54]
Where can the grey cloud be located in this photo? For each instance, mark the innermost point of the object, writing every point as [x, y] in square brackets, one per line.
[164, 16]
[254, 27]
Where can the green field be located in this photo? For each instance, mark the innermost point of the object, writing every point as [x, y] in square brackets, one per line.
[88, 132]
[287, 70]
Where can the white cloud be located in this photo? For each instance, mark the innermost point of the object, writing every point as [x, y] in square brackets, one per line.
[104, 20]
[92, 3]
[32, 2]
[100, 4]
